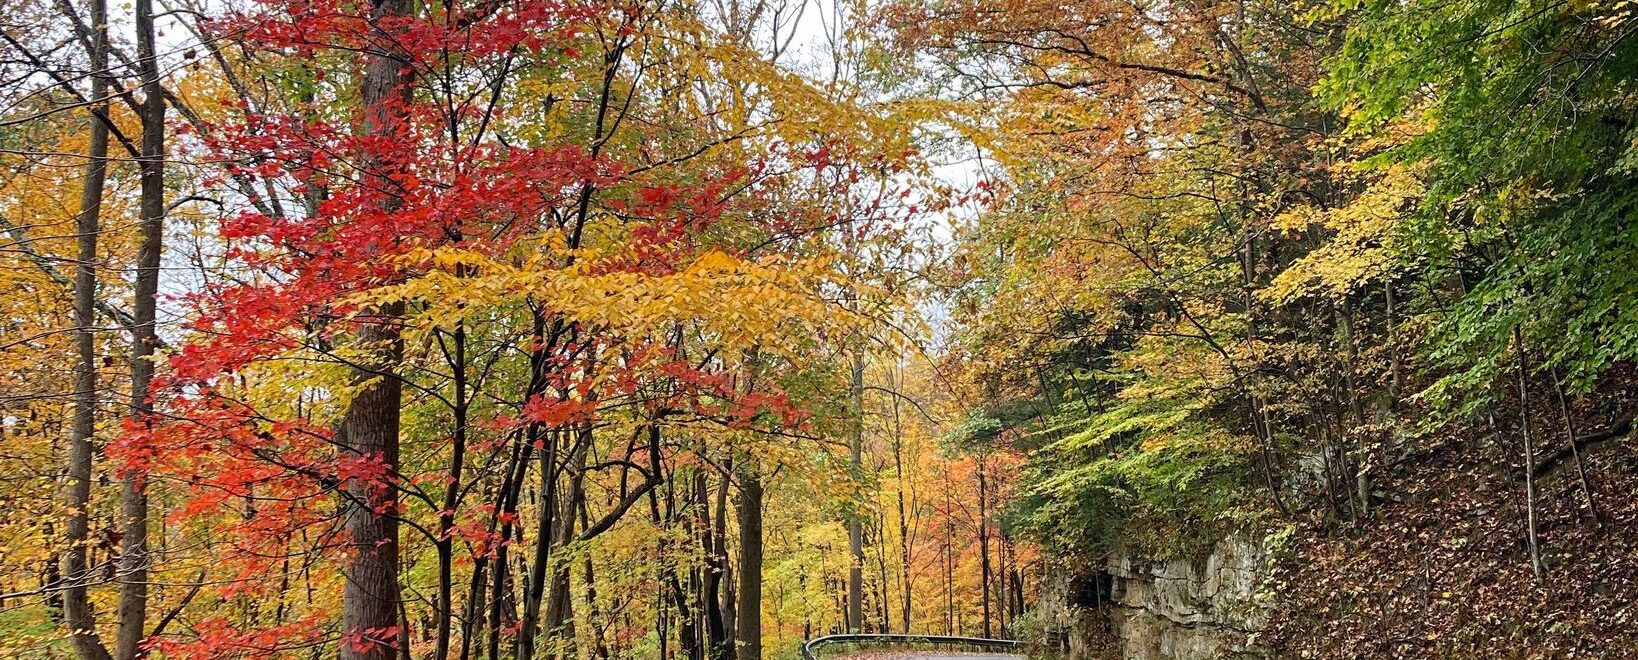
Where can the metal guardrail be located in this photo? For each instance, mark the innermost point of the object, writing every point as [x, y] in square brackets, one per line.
[809, 650]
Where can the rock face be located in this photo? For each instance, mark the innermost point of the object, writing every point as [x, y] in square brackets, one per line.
[1187, 610]
[1162, 610]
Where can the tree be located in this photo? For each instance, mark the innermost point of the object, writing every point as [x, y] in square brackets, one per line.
[77, 612]
[748, 646]
[133, 604]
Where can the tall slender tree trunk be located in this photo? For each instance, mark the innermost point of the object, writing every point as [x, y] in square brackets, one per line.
[855, 525]
[1261, 425]
[986, 572]
[662, 617]
[133, 596]
[1575, 452]
[1529, 457]
[444, 607]
[505, 517]
[557, 622]
[905, 577]
[483, 595]
[77, 610]
[717, 644]
[905, 540]
[369, 610]
[1002, 593]
[749, 614]
[726, 584]
[884, 606]
[545, 535]
[600, 647]
[1018, 588]
[687, 626]
[949, 560]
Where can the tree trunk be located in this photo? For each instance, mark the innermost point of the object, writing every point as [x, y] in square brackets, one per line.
[558, 620]
[749, 620]
[716, 643]
[904, 521]
[370, 429]
[1529, 458]
[949, 560]
[369, 609]
[510, 492]
[687, 625]
[544, 537]
[77, 609]
[1016, 590]
[855, 525]
[133, 595]
[884, 587]
[985, 570]
[1569, 439]
[444, 607]
[1003, 592]
[600, 647]
[725, 595]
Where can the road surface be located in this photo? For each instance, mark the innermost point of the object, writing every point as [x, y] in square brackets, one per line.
[924, 655]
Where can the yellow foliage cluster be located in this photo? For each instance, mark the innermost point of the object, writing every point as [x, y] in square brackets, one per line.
[1361, 241]
[774, 304]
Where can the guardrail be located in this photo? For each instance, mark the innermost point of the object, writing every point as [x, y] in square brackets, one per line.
[809, 650]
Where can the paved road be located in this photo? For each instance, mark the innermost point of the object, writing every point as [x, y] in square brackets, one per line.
[927, 655]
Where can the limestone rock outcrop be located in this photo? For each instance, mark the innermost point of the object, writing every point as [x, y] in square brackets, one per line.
[1176, 609]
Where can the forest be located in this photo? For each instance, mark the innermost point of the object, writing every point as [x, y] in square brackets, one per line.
[707, 329]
